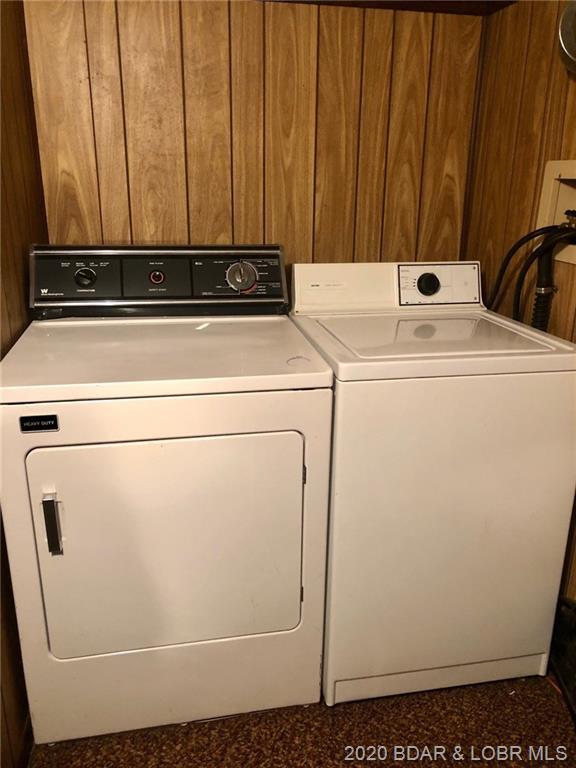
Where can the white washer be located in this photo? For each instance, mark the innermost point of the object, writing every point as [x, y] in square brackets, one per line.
[453, 471]
[164, 492]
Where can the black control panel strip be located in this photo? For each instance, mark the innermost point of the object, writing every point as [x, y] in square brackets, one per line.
[74, 280]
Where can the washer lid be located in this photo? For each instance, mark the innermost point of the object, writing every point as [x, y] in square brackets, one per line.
[95, 359]
[407, 345]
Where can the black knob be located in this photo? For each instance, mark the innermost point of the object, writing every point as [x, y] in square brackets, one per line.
[85, 277]
[428, 284]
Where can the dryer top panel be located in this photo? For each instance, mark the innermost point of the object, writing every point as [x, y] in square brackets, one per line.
[393, 345]
[110, 358]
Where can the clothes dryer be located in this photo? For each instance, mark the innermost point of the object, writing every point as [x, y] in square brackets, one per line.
[164, 489]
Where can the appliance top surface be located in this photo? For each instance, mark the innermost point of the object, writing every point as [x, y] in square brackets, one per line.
[421, 343]
[382, 336]
[109, 358]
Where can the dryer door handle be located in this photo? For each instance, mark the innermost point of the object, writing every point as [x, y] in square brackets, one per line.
[52, 523]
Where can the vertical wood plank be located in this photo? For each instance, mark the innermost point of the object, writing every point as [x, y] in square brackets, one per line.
[150, 55]
[59, 71]
[505, 52]
[6, 332]
[23, 215]
[488, 74]
[455, 51]
[205, 27]
[569, 129]
[247, 66]
[374, 107]
[339, 84]
[290, 95]
[538, 138]
[528, 157]
[102, 42]
[410, 70]
[556, 93]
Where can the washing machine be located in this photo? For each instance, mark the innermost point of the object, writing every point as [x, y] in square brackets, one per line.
[166, 444]
[453, 474]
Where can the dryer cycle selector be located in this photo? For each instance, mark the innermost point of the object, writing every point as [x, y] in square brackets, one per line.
[85, 277]
[428, 284]
[241, 276]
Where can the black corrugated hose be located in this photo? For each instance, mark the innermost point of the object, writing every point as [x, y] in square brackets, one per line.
[492, 302]
[544, 254]
[552, 236]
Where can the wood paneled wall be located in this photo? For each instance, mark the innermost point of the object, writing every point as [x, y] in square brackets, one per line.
[23, 221]
[342, 133]
[527, 116]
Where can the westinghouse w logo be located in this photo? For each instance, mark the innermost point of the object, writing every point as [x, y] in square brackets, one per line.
[43, 290]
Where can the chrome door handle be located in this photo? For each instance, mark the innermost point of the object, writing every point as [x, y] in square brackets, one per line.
[52, 523]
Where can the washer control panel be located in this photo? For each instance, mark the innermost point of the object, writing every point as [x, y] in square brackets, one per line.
[69, 280]
[448, 283]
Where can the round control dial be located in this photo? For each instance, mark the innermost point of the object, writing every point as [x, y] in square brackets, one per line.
[157, 277]
[428, 284]
[241, 276]
[85, 277]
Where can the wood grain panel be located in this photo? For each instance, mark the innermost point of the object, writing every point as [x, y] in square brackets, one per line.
[455, 51]
[206, 46]
[23, 215]
[466, 7]
[291, 33]
[525, 185]
[569, 134]
[524, 113]
[59, 70]
[23, 221]
[247, 67]
[227, 134]
[374, 107]
[14, 242]
[506, 51]
[339, 88]
[410, 70]
[526, 156]
[108, 113]
[149, 36]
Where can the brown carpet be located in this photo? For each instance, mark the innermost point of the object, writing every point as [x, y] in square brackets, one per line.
[524, 713]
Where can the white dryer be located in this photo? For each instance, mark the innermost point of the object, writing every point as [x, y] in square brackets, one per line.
[164, 489]
[453, 473]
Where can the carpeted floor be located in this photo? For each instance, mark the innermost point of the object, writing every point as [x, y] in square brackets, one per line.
[527, 713]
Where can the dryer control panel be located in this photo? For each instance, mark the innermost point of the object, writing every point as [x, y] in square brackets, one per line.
[95, 280]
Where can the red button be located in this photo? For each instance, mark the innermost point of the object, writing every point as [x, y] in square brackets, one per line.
[157, 277]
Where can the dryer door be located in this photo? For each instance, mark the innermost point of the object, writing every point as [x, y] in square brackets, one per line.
[168, 541]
